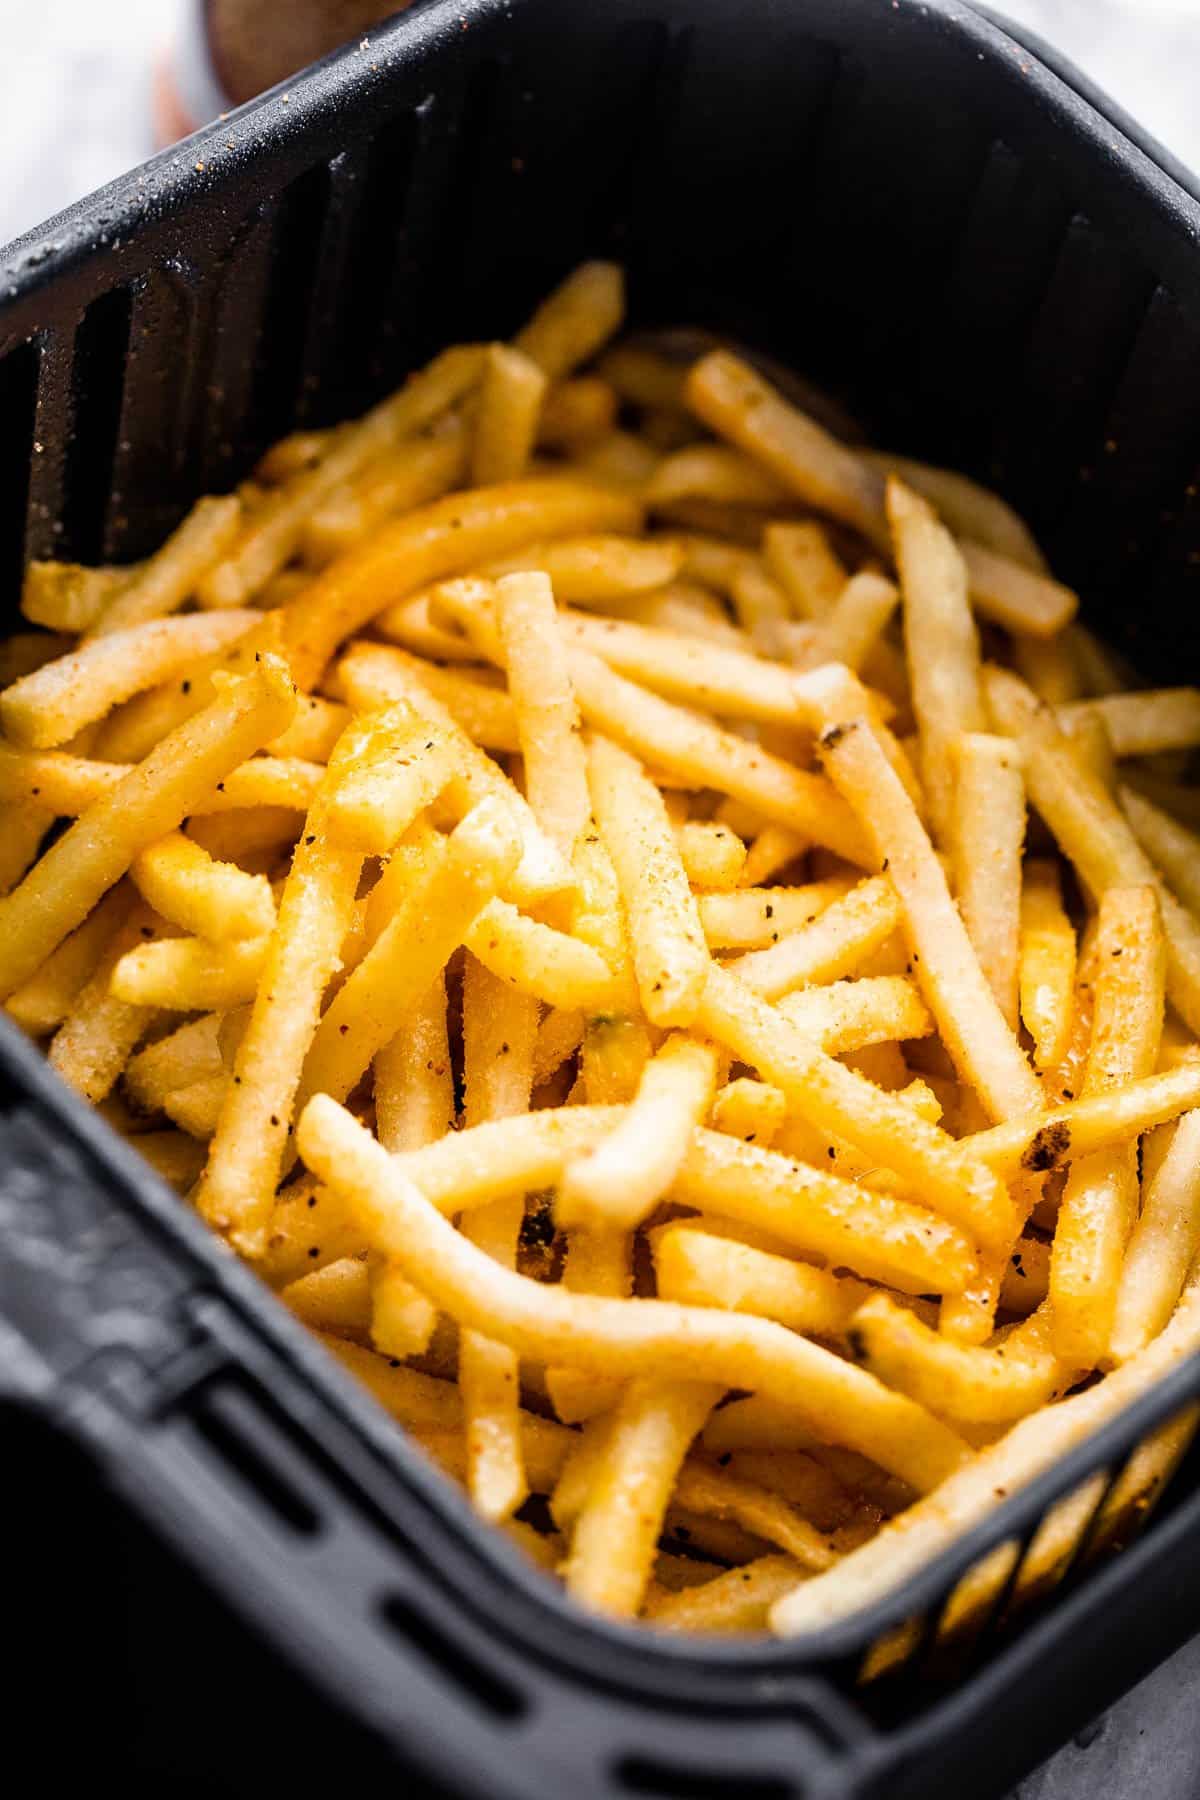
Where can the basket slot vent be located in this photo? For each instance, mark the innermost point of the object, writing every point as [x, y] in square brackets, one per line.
[378, 263]
[1078, 345]
[232, 435]
[295, 260]
[30, 490]
[97, 385]
[239, 1427]
[676, 1781]
[329, 361]
[1011, 239]
[152, 476]
[455, 290]
[455, 1663]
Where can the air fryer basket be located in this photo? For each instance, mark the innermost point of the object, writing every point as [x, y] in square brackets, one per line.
[904, 203]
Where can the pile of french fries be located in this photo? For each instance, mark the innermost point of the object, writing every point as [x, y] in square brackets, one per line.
[661, 938]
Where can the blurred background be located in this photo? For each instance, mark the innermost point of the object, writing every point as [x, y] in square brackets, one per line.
[82, 78]
[88, 83]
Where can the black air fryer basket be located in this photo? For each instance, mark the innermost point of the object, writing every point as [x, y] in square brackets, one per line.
[224, 1566]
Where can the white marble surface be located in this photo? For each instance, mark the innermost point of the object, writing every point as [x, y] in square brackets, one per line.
[75, 80]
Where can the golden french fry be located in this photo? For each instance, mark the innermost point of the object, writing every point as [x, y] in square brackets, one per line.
[541, 961]
[1162, 1245]
[173, 573]
[755, 917]
[949, 1178]
[851, 1015]
[410, 952]
[1091, 830]
[447, 537]
[213, 900]
[941, 644]
[1051, 668]
[750, 1110]
[576, 320]
[42, 1003]
[314, 731]
[669, 953]
[556, 778]
[713, 472]
[617, 1184]
[595, 571]
[1171, 846]
[1049, 1140]
[408, 764]
[710, 676]
[964, 1382]
[411, 474]
[1143, 724]
[738, 1600]
[738, 404]
[617, 1530]
[859, 617]
[64, 597]
[698, 1269]
[1099, 1203]
[49, 706]
[971, 511]
[836, 943]
[146, 803]
[668, 737]
[1021, 599]
[713, 857]
[802, 560]
[100, 1032]
[988, 834]
[1046, 964]
[982, 1044]
[506, 425]
[577, 412]
[188, 1054]
[618, 1336]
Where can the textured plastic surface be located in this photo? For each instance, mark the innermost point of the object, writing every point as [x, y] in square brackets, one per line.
[901, 201]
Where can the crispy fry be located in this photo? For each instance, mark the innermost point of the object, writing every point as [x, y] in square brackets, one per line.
[547, 717]
[750, 1110]
[100, 1032]
[172, 574]
[1172, 847]
[506, 426]
[850, 1015]
[988, 835]
[150, 801]
[755, 918]
[1038, 1142]
[408, 764]
[1143, 724]
[576, 320]
[411, 474]
[698, 1269]
[836, 943]
[215, 900]
[971, 511]
[1162, 1245]
[42, 1003]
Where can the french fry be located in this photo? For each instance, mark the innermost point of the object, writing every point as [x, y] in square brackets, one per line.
[988, 834]
[737, 1600]
[713, 472]
[774, 849]
[42, 1003]
[755, 918]
[69, 785]
[750, 1110]
[618, 1336]
[1033, 1445]
[617, 1531]
[595, 571]
[65, 597]
[576, 412]
[711, 677]
[620, 461]
[52, 704]
[595, 1262]
[734, 401]
[447, 537]
[698, 1269]
[1038, 1142]
[1162, 1245]
[314, 731]
[414, 1082]
[411, 474]
[713, 857]
[483, 712]
[836, 943]
[617, 1184]
[669, 953]
[941, 644]
[577, 319]
[1092, 831]
[560, 1035]
[1099, 1203]
[964, 1382]
[1051, 668]
[1172, 847]
[1143, 724]
[186, 974]
[982, 1045]
[643, 377]
[971, 511]
[408, 764]
[683, 743]
[100, 1032]
[506, 425]
[833, 1099]
[272, 535]
[849, 1016]
[334, 1299]
[556, 778]
[551, 965]
[409, 953]
[1020, 599]
[802, 560]
[197, 1107]
[172, 574]
[147, 803]
[132, 730]
[1046, 964]
[213, 900]
[859, 617]
[187, 1055]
